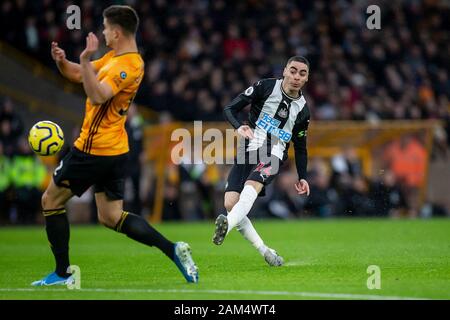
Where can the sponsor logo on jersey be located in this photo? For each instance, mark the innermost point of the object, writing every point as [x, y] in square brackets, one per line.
[302, 134]
[123, 74]
[270, 125]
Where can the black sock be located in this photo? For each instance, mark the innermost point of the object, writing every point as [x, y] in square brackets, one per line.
[58, 234]
[136, 228]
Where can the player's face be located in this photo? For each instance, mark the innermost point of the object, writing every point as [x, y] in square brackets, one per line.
[295, 76]
[109, 33]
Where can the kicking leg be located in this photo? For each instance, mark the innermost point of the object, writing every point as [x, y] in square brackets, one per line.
[111, 214]
[247, 198]
[248, 231]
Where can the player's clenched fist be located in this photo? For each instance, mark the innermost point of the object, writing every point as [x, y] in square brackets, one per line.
[302, 187]
[246, 132]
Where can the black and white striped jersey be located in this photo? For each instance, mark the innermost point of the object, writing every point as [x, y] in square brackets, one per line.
[276, 119]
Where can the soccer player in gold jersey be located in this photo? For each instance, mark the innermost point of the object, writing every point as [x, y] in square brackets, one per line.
[98, 157]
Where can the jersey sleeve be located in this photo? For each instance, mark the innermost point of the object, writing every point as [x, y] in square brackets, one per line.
[299, 134]
[251, 95]
[97, 64]
[232, 109]
[121, 75]
[258, 90]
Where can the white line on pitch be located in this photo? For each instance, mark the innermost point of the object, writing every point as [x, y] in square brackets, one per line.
[247, 292]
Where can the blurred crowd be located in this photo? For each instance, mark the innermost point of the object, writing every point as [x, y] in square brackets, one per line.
[339, 187]
[199, 54]
[22, 174]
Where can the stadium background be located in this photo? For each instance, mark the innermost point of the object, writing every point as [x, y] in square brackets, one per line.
[200, 54]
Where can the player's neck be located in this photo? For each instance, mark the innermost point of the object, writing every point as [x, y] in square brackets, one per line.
[125, 46]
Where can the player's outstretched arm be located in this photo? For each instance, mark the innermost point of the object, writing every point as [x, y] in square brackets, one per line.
[299, 134]
[97, 92]
[68, 69]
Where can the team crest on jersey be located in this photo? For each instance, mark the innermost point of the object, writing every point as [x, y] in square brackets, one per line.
[283, 113]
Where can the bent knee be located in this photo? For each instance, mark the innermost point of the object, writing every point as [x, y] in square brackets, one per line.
[44, 200]
[108, 219]
[229, 204]
[104, 219]
[48, 202]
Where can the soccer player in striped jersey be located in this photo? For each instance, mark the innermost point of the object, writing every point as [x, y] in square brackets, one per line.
[278, 115]
[99, 155]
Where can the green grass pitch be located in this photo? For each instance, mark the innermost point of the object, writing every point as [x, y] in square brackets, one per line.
[325, 259]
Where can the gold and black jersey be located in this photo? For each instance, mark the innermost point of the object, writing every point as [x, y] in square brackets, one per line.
[103, 132]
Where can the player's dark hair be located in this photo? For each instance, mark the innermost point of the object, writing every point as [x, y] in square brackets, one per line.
[123, 16]
[299, 59]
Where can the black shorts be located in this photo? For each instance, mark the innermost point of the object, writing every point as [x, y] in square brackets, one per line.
[78, 171]
[263, 172]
